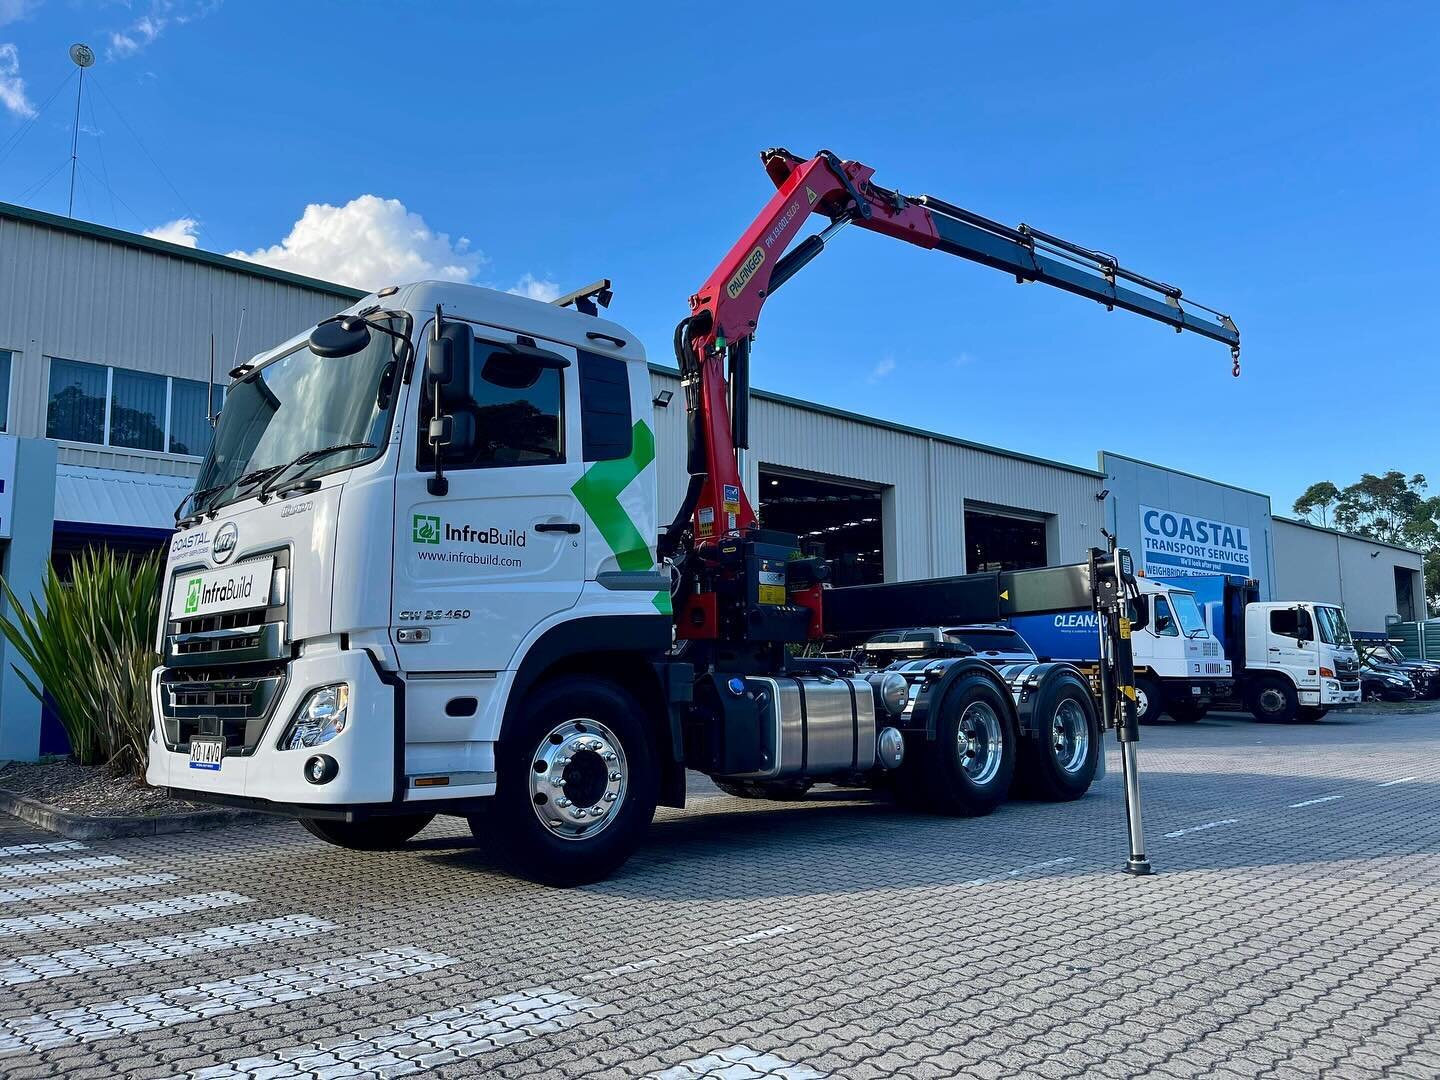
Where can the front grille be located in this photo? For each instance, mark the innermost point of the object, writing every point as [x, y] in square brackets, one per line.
[223, 674]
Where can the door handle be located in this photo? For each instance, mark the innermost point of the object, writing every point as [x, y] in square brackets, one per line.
[558, 526]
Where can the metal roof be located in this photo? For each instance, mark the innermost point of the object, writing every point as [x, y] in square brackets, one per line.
[1347, 535]
[116, 497]
[178, 251]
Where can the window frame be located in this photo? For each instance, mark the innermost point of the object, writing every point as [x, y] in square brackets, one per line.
[106, 437]
[1169, 613]
[9, 388]
[424, 457]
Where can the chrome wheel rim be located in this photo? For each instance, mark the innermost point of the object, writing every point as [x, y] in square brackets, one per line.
[1272, 700]
[578, 779]
[1142, 701]
[980, 742]
[1070, 736]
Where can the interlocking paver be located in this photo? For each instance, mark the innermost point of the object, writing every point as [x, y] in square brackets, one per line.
[843, 936]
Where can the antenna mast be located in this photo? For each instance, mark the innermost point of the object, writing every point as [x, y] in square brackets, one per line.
[83, 57]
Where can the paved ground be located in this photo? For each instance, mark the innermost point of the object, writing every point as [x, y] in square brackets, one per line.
[1293, 931]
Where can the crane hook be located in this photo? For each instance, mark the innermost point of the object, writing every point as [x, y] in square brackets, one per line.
[1235, 356]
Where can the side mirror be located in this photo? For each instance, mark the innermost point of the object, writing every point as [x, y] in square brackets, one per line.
[448, 351]
[1139, 614]
[344, 335]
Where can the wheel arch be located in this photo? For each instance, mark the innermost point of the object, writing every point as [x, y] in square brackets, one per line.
[628, 650]
[927, 708]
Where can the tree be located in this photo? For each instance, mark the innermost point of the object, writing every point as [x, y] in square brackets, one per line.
[1315, 503]
[1393, 508]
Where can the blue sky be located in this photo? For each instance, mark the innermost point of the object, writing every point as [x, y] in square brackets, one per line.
[1276, 161]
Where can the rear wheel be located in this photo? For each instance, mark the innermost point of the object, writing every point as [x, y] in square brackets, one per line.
[576, 783]
[1148, 699]
[967, 770]
[368, 834]
[1274, 700]
[1058, 761]
[1186, 712]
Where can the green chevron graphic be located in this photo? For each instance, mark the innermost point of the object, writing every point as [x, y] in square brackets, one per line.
[599, 494]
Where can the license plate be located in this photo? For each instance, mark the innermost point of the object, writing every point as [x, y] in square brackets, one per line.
[206, 753]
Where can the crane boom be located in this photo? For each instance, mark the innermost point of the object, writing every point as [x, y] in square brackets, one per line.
[712, 344]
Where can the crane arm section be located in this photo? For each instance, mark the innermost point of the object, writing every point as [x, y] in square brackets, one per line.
[713, 343]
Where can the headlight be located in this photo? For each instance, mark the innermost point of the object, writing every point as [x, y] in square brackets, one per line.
[321, 717]
[893, 691]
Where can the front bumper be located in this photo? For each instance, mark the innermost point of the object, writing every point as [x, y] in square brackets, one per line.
[365, 752]
[1332, 693]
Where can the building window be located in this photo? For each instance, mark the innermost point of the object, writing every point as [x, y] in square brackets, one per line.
[112, 406]
[77, 401]
[6, 358]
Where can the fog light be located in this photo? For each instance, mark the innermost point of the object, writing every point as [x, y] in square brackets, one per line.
[321, 717]
[321, 769]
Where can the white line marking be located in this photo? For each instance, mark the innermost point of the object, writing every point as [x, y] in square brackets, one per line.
[1201, 828]
[145, 909]
[686, 954]
[739, 1062]
[183, 1004]
[120, 954]
[418, 1045]
[40, 849]
[61, 866]
[118, 883]
[1402, 780]
[1020, 870]
[1312, 802]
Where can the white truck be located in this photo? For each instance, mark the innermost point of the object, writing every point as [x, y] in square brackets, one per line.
[1180, 668]
[421, 572]
[1293, 659]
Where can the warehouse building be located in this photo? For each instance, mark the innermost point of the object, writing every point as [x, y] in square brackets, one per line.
[107, 384]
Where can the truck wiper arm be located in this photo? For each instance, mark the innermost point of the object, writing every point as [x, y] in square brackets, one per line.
[309, 458]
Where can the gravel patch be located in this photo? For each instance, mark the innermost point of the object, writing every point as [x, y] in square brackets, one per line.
[89, 790]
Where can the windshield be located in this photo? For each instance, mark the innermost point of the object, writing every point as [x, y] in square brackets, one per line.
[1192, 623]
[1333, 629]
[300, 403]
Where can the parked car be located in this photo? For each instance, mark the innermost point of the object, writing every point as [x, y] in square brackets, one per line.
[993, 644]
[1379, 682]
[1424, 674]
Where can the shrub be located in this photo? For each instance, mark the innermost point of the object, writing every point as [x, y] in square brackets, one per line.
[90, 643]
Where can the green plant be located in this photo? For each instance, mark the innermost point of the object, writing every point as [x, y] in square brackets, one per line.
[89, 642]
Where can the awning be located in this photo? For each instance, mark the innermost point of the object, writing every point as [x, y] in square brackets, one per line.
[101, 498]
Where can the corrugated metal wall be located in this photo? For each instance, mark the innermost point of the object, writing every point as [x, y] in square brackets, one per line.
[925, 480]
[1320, 564]
[83, 297]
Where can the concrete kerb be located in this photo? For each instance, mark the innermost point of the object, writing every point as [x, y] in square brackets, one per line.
[82, 827]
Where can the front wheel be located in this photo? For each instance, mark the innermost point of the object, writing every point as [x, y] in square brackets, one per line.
[1148, 699]
[1274, 700]
[368, 834]
[967, 770]
[1058, 761]
[576, 783]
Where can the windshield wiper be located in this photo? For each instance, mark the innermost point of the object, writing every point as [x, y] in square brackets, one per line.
[196, 496]
[309, 458]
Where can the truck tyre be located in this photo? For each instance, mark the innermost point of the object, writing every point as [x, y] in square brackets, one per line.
[1149, 699]
[576, 783]
[1186, 712]
[1274, 700]
[1058, 762]
[774, 790]
[1311, 713]
[968, 768]
[368, 834]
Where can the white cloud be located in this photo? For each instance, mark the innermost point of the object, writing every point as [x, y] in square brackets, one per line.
[143, 31]
[531, 286]
[183, 231]
[12, 86]
[15, 10]
[369, 242]
[883, 368]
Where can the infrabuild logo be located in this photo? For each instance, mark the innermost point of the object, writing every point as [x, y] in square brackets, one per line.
[192, 596]
[218, 592]
[429, 530]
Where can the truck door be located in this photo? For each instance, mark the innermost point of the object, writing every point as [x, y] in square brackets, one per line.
[478, 568]
[1287, 627]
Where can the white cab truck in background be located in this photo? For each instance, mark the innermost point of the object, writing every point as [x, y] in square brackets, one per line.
[1180, 668]
[1293, 659]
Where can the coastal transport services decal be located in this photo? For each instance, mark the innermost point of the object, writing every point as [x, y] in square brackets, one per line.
[434, 539]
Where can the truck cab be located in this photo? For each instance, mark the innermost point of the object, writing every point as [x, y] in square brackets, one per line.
[1299, 658]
